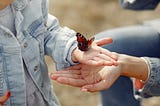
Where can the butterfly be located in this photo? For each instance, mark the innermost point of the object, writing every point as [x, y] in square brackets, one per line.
[84, 43]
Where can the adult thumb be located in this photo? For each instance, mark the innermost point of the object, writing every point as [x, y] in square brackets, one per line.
[104, 41]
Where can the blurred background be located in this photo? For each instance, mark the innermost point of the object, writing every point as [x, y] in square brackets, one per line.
[91, 17]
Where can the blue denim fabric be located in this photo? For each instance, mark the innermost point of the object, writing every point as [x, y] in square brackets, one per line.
[139, 4]
[141, 40]
[37, 35]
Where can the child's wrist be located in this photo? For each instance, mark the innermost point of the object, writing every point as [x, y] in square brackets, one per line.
[74, 59]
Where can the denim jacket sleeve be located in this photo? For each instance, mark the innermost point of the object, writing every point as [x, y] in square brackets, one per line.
[139, 4]
[59, 43]
[152, 86]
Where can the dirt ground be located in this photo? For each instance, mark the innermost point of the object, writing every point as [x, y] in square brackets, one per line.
[91, 17]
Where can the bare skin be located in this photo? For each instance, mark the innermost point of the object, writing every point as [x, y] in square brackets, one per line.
[93, 78]
[96, 55]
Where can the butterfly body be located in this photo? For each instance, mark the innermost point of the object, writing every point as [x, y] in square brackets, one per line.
[84, 43]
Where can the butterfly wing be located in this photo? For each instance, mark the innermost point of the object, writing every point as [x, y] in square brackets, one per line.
[81, 38]
[90, 41]
[83, 43]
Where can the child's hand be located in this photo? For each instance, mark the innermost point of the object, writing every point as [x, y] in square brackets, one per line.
[4, 98]
[96, 55]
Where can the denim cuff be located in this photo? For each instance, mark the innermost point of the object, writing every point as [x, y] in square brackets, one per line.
[152, 86]
[69, 56]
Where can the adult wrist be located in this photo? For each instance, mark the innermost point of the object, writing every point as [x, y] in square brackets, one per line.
[131, 66]
[122, 63]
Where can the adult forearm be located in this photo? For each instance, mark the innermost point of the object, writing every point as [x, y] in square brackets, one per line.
[133, 67]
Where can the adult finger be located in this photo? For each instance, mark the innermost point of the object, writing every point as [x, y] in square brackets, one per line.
[96, 87]
[54, 76]
[104, 41]
[71, 81]
[105, 60]
[98, 61]
[94, 62]
[109, 53]
[75, 67]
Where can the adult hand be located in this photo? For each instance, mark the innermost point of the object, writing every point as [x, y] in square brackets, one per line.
[4, 98]
[88, 78]
[96, 78]
[96, 55]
